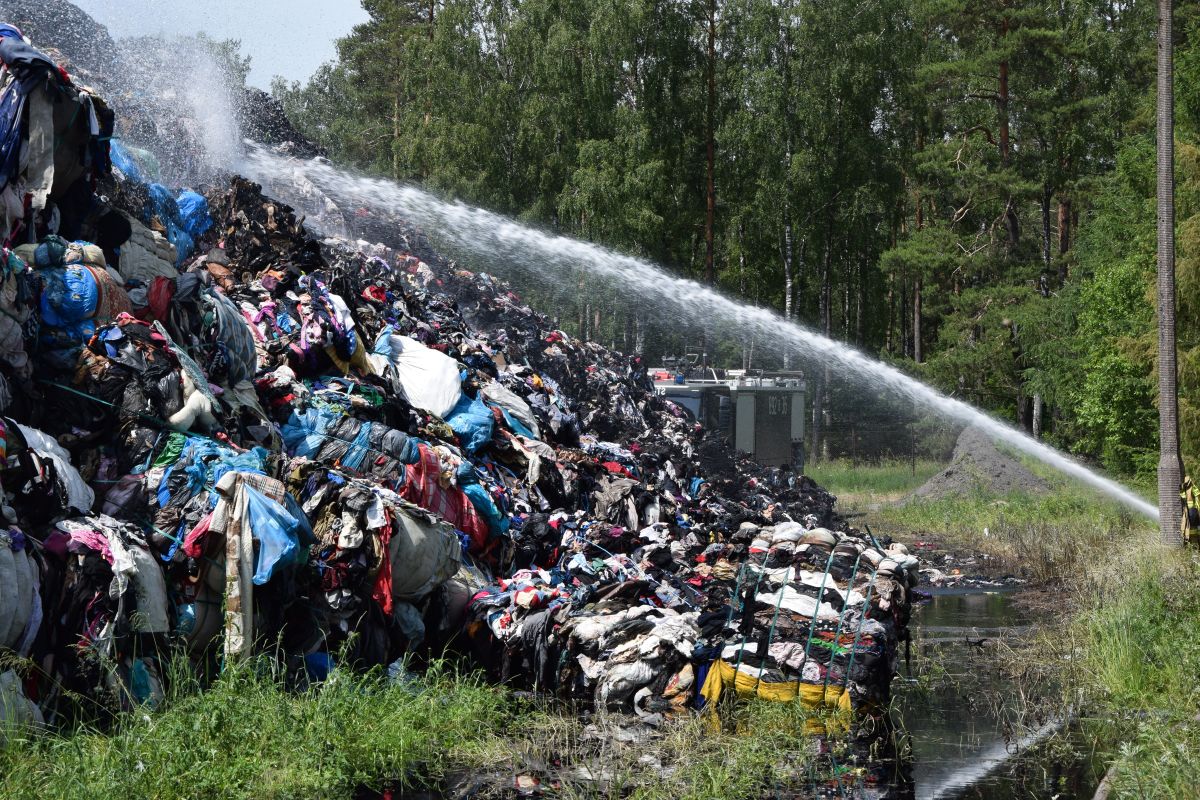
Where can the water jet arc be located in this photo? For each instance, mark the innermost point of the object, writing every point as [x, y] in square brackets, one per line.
[538, 253]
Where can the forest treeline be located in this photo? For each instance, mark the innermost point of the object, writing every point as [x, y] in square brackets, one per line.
[963, 187]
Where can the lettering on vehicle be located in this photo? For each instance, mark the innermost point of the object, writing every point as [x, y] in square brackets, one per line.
[779, 404]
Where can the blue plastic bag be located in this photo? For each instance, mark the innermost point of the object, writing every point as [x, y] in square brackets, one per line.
[276, 531]
[193, 213]
[472, 420]
[184, 244]
[122, 159]
[162, 204]
[304, 433]
[69, 296]
[68, 337]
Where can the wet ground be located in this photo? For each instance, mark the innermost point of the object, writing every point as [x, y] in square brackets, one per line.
[969, 735]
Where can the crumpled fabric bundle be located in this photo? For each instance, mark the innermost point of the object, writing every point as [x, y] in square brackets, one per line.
[18, 590]
[817, 608]
[429, 379]
[53, 135]
[374, 554]
[17, 712]
[623, 652]
[17, 303]
[429, 486]
[182, 478]
[231, 335]
[78, 494]
[359, 446]
[105, 609]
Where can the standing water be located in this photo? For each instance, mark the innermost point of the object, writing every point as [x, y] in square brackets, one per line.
[546, 256]
[975, 731]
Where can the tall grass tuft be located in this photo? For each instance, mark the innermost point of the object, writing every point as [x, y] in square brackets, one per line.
[1141, 654]
[246, 736]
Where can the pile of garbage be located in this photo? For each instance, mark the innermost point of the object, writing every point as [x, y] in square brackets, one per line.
[224, 436]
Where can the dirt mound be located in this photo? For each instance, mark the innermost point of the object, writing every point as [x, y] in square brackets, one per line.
[977, 466]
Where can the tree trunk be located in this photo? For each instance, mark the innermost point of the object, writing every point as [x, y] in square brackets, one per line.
[1047, 196]
[1002, 103]
[846, 298]
[798, 283]
[825, 456]
[1169, 467]
[710, 275]
[1037, 416]
[819, 400]
[858, 310]
[916, 321]
[1064, 237]
[826, 292]
[916, 299]
[891, 293]
[429, 94]
[818, 416]
[1002, 100]
[789, 310]
[395, 137]
[741, 243]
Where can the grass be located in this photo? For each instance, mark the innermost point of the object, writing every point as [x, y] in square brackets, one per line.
[859, 486]
[1041, 537]
[1141, 657]
[248, 737]
[758, 745]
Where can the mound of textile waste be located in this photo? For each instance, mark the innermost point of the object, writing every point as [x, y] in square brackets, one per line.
[223, 436]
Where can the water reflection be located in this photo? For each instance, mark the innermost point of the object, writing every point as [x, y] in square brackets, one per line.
[962, 716]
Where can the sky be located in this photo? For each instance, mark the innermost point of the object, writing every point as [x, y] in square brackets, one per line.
[283, 37]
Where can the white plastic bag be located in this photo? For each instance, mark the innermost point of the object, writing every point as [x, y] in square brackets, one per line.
[429, 378]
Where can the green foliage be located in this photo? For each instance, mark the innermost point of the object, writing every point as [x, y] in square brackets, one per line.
[961, 184]
[228, 55]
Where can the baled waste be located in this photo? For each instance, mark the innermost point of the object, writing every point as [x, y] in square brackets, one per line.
[226, 436]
